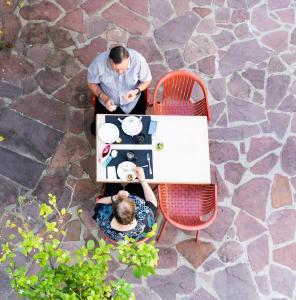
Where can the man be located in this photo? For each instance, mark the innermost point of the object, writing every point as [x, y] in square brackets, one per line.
[118, 78]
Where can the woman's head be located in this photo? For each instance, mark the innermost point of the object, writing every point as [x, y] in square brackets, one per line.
[123, 209]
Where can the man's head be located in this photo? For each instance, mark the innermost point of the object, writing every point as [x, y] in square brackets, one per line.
[124, 209]
[119, 58]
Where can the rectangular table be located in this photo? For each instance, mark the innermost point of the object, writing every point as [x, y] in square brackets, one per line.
[184, 158]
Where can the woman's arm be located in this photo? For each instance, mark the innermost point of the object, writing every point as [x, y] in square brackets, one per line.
[104, 200]
[149, 195]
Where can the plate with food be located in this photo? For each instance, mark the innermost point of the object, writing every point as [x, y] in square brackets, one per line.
[108, 133]
[126, 171]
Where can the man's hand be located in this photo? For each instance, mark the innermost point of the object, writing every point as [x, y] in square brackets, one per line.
[131, 95]
[110, 105]
[140, 173]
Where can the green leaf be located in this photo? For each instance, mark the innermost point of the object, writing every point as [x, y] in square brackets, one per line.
[2, 138]
[90, 245]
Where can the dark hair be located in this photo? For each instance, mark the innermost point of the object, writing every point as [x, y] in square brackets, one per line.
[118, 54]
[124, 210]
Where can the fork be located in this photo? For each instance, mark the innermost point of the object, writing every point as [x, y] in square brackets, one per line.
[148, 160]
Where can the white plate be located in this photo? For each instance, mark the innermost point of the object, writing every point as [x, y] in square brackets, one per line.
[132, 125]
[126, 171]
[108, 133]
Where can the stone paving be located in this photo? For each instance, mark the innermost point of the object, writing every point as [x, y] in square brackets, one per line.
[244, 50]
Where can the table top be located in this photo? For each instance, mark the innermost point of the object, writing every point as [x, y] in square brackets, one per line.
[184, 158]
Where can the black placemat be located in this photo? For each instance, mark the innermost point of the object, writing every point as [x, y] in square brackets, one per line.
[127, 139]
[141, 160]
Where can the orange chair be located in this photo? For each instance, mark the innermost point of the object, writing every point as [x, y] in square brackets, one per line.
[189, 207]
[94, 99]
[177, 88]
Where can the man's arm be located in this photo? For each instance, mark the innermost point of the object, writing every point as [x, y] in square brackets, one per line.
[96, 90]
[143, 85]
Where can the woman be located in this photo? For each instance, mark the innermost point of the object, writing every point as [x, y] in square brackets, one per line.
[125, 212]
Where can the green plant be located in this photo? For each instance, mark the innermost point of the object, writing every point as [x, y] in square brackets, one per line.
[62, 274]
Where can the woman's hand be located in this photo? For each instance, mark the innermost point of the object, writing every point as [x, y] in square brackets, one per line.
[140, 173]
[121, 194]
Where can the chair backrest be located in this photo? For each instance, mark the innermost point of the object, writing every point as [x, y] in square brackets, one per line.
[177, 88]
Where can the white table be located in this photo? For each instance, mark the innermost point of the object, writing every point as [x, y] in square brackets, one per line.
[184, 158]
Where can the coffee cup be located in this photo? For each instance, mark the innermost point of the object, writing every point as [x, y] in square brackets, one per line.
[140, 138]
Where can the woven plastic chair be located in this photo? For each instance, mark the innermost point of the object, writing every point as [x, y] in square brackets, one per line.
[94, 99]
[188, 207]
[177, 89]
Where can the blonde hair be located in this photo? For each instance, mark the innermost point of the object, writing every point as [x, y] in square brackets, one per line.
[124, 210]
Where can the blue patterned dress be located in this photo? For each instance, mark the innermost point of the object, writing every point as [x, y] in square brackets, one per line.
[145, 216]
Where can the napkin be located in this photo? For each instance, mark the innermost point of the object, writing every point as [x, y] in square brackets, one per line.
[111, 172]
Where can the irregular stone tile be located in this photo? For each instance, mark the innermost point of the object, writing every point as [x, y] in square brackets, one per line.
[89, 166]
[289, 58]
[70, 70]
[14, 68]
[230, 251]
[181, 7]
[117, 35]
[37, 54]
[71, 149]
[7, 9]
[282, 280]
[275, 65]
[258, 98]
[143, 293]
[233, 282]
[252, 197]
[263, 284]
[49, 184]
[17, 168]
[247, 227]
[252, 3]
[88, 119]
[261, 20]
[287, 16]
[233, 172]
[5, 288]
[288, 104]
[93, 6]
[76, 122]
[274, 4]
[35, 33]
[161, 10]
[265, 165]
[279, 123]
[207, 65]
[256, 77]
[12, 25]
[217, 88]
[176, 32]
[167, 258]
[201, 294]
[9, 91]
[222, 15]
[219, 228]
[196, 252]
[240, 110]
[258, 253]
[76, 171]
[235, 133]
[95, 26]
[217, 179]
[84, 189]
[286, 256]
[29, 85]
[293, 124]
[87, 53]
[212, 264]
[157, 71]
[174, 59]
[61, 38]
[223, 121]
[216, 111]
[75, 92]
[165, 285]
[124, 18]
[140, 7]
[9, 192]
[58, 58]
[73, 20]
[169, 237]
[202, 11]
[222, 152]
[49, 80]
[242, 31]
[237, 4]
[69, 5]
[293, 37]
[206, 26]
[27, 137]
[280, 191]
[203, 2]
[146, 46]
[238, 54]
[277, 41]
[282, 221]
[44, 10]
[73, 231]
[260, 146]
[238, 87]
[223, 39]
[240, 16]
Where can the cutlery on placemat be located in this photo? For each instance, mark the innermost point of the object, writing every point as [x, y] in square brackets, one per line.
[148, 160]
[144, 166]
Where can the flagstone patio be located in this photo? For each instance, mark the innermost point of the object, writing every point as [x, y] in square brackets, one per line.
[244, 50]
